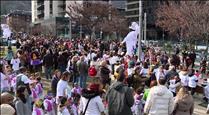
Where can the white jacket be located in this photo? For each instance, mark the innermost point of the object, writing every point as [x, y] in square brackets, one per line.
[159, 102]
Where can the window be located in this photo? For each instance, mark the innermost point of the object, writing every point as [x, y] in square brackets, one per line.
[131, 6]
[51, 6]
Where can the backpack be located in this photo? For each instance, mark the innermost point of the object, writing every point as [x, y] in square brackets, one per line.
[92, 71]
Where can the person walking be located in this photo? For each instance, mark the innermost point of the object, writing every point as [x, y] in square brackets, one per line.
[48, 64]
[160, 100]
[120, 97]
[82, 67]
[55, 80]
[21, 102]
[184, 103]
[63, 89]
[9, 55]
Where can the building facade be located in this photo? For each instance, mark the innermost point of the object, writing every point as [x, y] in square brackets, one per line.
[53, 13]
[50, 14]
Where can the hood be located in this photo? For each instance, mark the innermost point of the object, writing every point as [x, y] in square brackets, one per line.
[117, 85]
[185, 101]
[89, 94]
[183, 72]
[160, 90]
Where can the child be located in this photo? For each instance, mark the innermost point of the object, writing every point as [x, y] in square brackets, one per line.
[137, 108]
[62, 107]
[192, 81]
[37, 109]
[197, 73]
[39, 87]
[174, 83]
[76, 90]
[49, 104]
[34, 93]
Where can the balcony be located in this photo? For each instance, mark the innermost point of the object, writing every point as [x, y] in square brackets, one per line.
[40, 6]
[40, 13]
[62, 5]
[62, 13]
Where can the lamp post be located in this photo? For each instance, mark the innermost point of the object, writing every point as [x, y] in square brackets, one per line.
[70, 26]
[145, 28]
[140, 30]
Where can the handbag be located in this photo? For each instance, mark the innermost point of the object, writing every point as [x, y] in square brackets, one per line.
[83, 113]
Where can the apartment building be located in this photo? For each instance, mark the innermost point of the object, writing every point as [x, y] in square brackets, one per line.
[51, 12]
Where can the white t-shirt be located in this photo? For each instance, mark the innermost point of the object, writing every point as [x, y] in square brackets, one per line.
[144, 71]
[4, 81]
[15, 64]
[90, 56]
[130, 71]
[172, 86]
[192, 81]
[113, 60]
[95, 106]
[63, 89]
[184, 79]
[63, 112]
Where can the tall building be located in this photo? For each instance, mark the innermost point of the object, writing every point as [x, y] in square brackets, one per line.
[132, 14]
[53, 13]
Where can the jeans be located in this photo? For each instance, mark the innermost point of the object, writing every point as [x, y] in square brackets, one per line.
[82, 81]
[48, 71]
[75, 79]
[62, 68]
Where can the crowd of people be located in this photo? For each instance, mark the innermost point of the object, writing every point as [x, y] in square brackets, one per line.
[96, 77]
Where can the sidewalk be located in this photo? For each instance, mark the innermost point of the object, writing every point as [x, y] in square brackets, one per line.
[199, 110]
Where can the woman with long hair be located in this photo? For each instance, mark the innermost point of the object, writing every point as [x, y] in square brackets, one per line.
[21, 104]
[184, 103]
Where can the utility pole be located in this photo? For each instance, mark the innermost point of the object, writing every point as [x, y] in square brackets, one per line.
[145, 28]
[140, 30]
[70, 29]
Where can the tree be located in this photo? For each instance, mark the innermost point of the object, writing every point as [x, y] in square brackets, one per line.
[97, 16]
[18, 24]
[189, 19]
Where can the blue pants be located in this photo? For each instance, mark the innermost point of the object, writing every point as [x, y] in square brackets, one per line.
[82, 81]
[62, 68]
[48, 72]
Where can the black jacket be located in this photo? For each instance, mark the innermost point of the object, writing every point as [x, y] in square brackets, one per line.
[54, 85]
[120, 99]
[48, 60]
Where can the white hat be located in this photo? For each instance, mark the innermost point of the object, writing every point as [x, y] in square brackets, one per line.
[7, 109]
[133, 26]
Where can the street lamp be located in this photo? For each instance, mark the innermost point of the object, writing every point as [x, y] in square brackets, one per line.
[70, 26]
[140, 29]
